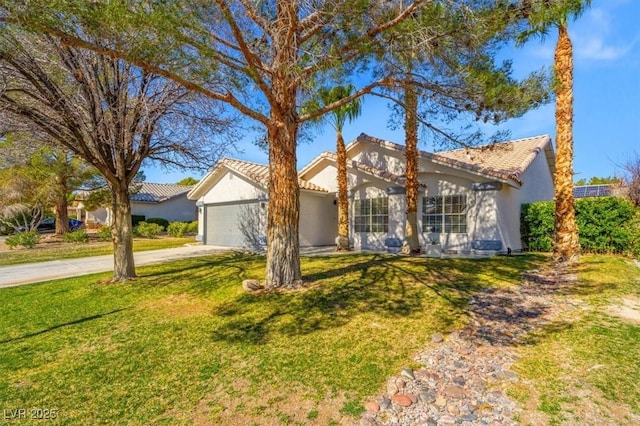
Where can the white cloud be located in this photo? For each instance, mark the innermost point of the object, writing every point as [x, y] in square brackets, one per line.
[592, 37]
[596, 49]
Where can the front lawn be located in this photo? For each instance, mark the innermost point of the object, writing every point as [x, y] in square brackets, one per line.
[584, 368]
[56, 251]
[183, 344]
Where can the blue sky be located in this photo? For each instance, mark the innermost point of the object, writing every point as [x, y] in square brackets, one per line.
[606, 44]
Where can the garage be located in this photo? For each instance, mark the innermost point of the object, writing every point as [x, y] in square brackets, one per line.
[240, 224]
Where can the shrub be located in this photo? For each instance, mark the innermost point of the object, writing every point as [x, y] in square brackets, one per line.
[26, 239]
[147, 230]
[78, 236]
[536, 226]
[605, 225]
[136, 219]
[160, 221]
[104, 233]
[177, 229]
[193, 227]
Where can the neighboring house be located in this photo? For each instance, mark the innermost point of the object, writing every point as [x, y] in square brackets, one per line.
[151, 200]
[469, 198]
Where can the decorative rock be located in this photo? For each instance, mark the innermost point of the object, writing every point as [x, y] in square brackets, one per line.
[402, 400]
[384, 403]
[408, 373]
[506, 375]
[469, 418]
[392, 388]
[428, 397]
[372, 406]
[454, 391]
[459, 380]
[251, 285]
[453, 409]
[447, 420]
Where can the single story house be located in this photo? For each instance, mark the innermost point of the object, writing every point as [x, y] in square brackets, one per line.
[469, 198]
[151, 200]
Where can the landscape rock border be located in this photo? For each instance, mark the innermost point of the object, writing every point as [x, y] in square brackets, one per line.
[463, 375]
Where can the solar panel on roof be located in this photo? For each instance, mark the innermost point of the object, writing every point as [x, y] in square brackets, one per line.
[592, 191]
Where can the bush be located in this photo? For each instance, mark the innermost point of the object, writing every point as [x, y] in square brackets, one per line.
[136, 219]
[26, 239]
[147, 230]
[177, 229]
[605, 225]
[78, 236]
[193, 227]
[104, 233]
[160, 221]
[536, 226]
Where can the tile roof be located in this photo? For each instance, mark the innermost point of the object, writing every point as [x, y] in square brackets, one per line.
[383, 174]
[260, 173]
[506, 161]
[158, 192]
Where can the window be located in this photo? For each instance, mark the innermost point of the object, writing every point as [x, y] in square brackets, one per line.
[446, 214]
[371, 215]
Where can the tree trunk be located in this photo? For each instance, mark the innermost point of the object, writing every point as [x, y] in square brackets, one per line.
[283, 252]
[122, 235]
[62, 214]
[343, 200]
[283, 247]
[566, 246]
[411, 240]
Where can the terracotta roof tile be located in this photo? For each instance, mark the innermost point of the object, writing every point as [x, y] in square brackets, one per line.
[506, 161]
[383, 174]
[260, 173]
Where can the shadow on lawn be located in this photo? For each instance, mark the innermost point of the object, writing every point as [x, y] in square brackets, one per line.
[66, 324]
[388, 286]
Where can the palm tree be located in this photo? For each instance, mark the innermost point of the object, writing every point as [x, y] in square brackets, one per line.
[542, 15]
[337, 119]
[411, 240]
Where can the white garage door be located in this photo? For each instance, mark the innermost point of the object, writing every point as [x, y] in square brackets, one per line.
[234, 225]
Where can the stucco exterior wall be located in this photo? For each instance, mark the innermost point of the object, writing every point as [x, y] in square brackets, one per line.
[232, 187]
[538, 186]
[381, 158]
[326, 177]
[318, 219]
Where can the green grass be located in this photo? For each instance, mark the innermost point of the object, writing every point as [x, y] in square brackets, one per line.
[589, 352]
[43, 253]
[183, 344]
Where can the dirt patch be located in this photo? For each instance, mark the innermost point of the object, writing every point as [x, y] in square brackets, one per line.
[241, 406]
[628, 309]
[177, 306]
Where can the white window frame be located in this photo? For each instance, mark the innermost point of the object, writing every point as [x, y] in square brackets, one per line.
[445, 214]
[371, 215]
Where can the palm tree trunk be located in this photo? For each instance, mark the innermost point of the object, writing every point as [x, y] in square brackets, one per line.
[343, 200]
[566, 246]
[411, 240]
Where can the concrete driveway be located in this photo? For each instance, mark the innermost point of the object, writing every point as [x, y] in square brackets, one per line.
[11, 276]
